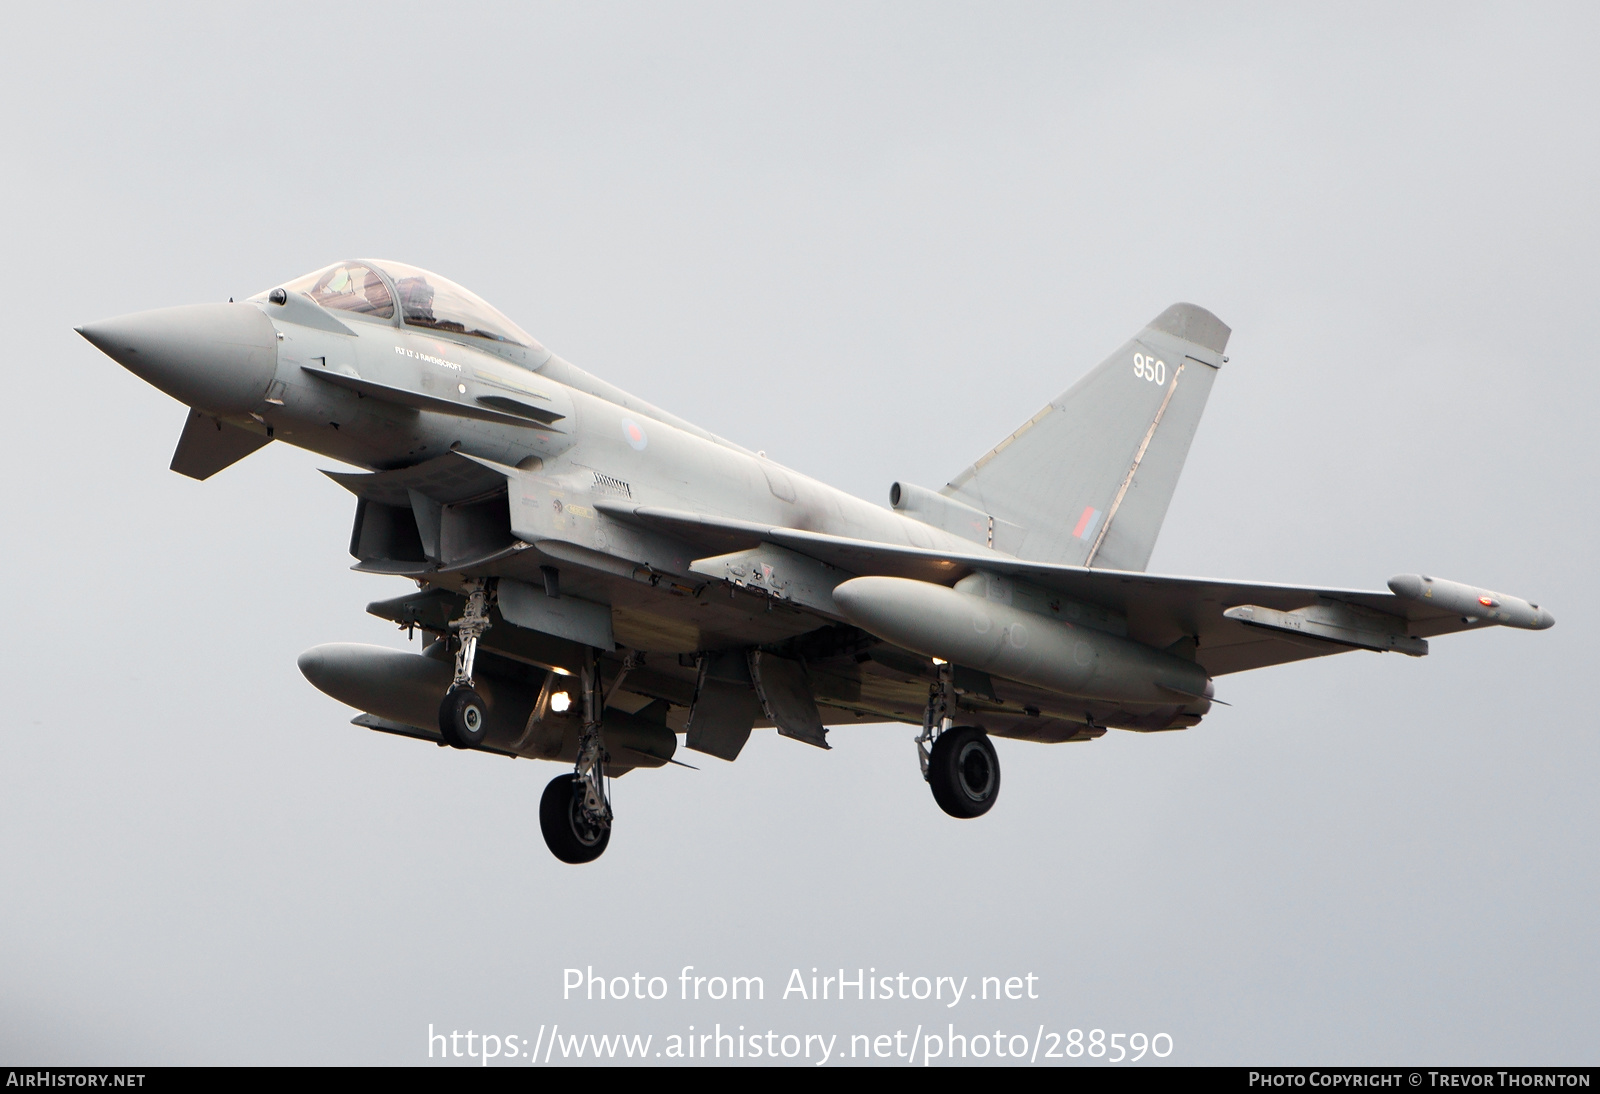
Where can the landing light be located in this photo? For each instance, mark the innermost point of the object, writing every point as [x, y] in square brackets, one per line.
[560, 701]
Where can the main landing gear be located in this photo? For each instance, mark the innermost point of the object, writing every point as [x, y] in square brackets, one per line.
[572, 832]
[575, 811]
[960, 766]
[463, 717]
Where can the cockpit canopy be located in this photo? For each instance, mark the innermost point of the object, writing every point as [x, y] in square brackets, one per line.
[371, 286]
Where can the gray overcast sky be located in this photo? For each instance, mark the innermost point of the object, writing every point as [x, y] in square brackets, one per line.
[870, 239]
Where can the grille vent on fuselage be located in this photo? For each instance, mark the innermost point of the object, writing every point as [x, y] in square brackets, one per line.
[613, 486]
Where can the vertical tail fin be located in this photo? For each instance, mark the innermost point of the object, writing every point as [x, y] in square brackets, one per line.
[1090, 476]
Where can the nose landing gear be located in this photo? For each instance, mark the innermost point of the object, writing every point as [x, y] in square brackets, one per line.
[463, 717]
[960, 766]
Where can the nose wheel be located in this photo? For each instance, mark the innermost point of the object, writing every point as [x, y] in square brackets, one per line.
[463, 716]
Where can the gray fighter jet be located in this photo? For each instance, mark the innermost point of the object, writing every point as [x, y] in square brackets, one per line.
[596, 576]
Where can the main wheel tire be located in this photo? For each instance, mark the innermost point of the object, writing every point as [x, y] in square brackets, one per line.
[964, 772]
[463, 718]
[570, 837]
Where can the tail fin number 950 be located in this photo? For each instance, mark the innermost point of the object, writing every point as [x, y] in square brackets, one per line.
[1148, 368]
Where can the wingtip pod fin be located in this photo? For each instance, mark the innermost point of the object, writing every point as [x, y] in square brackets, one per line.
[1471, 602]
[1194, 324]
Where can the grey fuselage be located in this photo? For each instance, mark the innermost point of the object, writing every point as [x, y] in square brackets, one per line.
[608, 524]
[668, 462]
[494, 459]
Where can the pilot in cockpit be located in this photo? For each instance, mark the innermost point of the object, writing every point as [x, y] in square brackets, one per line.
[362, 288]
[350, 287]
[416, 299]
[377, 293]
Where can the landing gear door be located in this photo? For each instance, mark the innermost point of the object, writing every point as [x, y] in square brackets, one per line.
[725, 705]
[787, 697]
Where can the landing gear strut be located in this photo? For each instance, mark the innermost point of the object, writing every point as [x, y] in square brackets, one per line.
[575, 811]
[463, 716]
[958, 762]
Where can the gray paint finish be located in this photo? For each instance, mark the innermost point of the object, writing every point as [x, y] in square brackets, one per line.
[870, 243]
[624, 529]
[1091, 475]
[208, 444]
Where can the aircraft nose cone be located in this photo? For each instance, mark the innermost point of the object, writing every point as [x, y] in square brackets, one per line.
[216, 357]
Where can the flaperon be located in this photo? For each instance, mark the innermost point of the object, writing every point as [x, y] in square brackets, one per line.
[596, 575]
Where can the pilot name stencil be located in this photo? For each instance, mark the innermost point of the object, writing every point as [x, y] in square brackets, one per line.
[432, 360]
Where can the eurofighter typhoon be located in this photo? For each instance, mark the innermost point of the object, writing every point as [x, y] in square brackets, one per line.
[595, 576]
